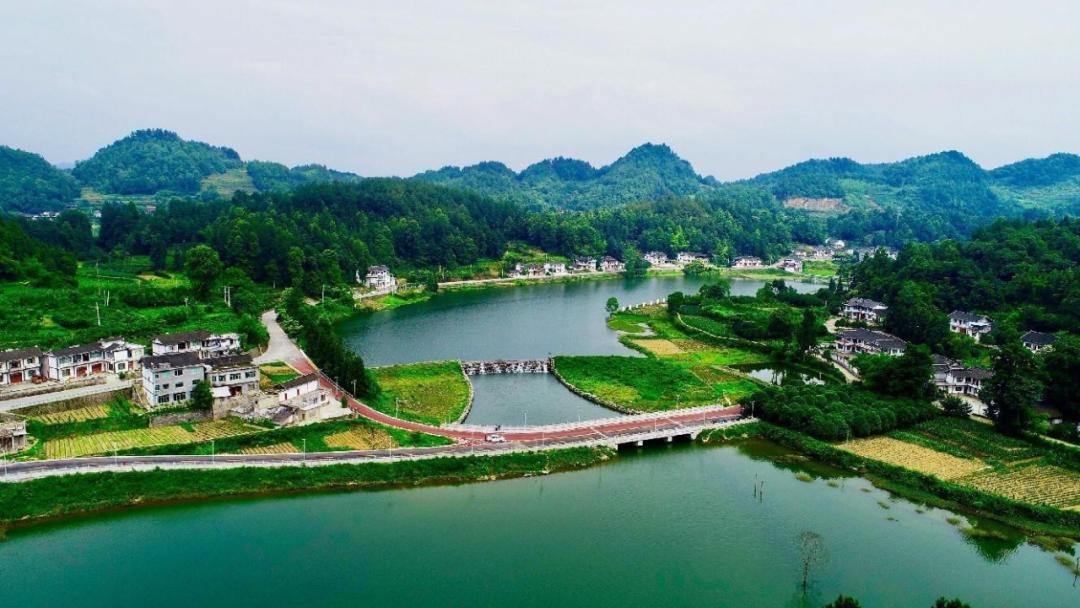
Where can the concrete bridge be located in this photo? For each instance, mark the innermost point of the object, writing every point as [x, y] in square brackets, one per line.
[506, 366]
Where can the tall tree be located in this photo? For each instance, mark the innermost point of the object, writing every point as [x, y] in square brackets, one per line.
[1062, 365]
[914, 317]
[202, 266]
[1011, 393]
[806, 336]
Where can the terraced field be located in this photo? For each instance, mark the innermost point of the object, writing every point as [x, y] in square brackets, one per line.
[91, 412]
[277, 448]
[360, 438]
[914, 457]
[1043, 484]
[106, 443]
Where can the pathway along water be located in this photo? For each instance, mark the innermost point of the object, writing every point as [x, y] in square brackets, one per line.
[674, 526]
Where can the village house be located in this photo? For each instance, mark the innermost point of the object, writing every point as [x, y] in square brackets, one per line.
[790, 265]
[301, 400]
[862, 253]
[168, 379]
[656, 258]
[863, 309]
[13, 435]
[689, 257]
[869, 342]
[232, 376]
[954, 379]
[19, 365]
[610, 264]
[378, 278]
[747, 261]
[584, 264]
[111, 355]
[528, 270]
[206, 344]
[1037, 341]
[969, 324]
[554, 268]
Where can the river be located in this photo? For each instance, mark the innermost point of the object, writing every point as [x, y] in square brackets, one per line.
[667, 525]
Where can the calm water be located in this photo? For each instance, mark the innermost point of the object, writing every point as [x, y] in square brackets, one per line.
[513, 323]
[514, 399]
[676, 526]
[776, 375]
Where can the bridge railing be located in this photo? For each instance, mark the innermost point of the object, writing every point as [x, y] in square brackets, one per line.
[595, 422]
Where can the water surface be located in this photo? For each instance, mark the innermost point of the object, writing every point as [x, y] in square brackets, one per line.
[517, 399]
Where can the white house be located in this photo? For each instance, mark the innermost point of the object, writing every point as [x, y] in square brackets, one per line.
[19, 365]
[610, 264]
[1037, 341]
[168, 379]
[379, 277]
[205, 343]
[297, 386]
[111, 355]
[790, 265]
[656, 258]
[528, 270]
[689, 257]
[554, 268]
[301, 400]
[868, 341]
[747, 261]
[969, 324]
[584, 264]
[954, 379]
[863, 309]
[232, 376]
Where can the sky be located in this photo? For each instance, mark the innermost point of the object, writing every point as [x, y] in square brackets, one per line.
[395, 88]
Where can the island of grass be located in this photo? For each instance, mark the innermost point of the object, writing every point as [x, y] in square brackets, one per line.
[432, 393]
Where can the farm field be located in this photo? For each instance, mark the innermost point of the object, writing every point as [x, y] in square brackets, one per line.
[972, 454]
[276, 372]
[106, 443]
[92, 412]
[426, 392]
[360, 438]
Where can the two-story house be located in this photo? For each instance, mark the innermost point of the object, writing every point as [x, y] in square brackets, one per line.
[202, 342]
[689, 257]
[969, 324]
[610, 264]
[868, 341]
[864, 309]
[168, 379]
[19, 365]
[790, 265]
[1037, 341]
[656, 258]
[747, 261]
[13, 436]
[554, 268]
[111, 355]
[584, 264]
[379, 277]
[232, 376]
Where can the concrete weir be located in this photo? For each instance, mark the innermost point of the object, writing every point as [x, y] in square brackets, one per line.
[506, 366]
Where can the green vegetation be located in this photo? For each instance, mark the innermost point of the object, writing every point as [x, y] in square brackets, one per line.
[74, 494]
[24, 258]
[152, 160]
[636, 384]
[29, 184]
[321, 342]
[425, 392]
[277, 372]
[275, 176]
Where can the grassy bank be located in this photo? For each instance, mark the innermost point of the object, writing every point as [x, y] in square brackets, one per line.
[42, 499]
[432, 393]
[637, 384]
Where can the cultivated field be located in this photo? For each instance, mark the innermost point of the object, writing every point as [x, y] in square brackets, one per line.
[1044, 484]
[360, 438]
[914, 457]
[659, 346]
[429, 392]
[284, 447]
[106, 443]
[91, 412]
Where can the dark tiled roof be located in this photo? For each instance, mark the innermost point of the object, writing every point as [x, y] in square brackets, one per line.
[230, 361]
[1038, 337]
[879, 338]
[975, 373]
[184, 336]
[298, 381]
[864, 302]
[80, 349]
[19, 353]
[965, 317]
[172, 360]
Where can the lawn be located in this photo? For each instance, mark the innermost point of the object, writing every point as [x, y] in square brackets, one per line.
[638, 384]
[433, 393]
[819, 268]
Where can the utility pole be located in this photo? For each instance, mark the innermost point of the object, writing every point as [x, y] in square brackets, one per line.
[305, 449]
[97, 310]
[213, 452]
[322, 298]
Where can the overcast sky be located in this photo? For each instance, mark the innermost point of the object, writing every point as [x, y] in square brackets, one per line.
[736, 88]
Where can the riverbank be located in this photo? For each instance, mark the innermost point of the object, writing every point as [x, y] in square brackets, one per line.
[41, 500]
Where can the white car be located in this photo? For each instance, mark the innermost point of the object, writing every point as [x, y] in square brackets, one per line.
[495, 438]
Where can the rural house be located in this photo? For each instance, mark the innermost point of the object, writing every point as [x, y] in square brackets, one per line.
[528, 270]
[656, 258]
[19, 365]
[747, 261]
[869, 342]
[168, 379]
[206, 344]
[689, 257]
[969, 324]
[790, 265]
[232, 376]
[12, 433]
[554, 268]
[379, 278]
[584, 264]
[111, 355]
[1037, 341]
[953, 378]
[301, 400]
[863, 309]
[610, 264]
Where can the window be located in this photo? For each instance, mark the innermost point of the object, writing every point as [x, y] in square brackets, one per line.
[178, 384]
[166, 385]
[179, 396]
[235, 376]
[178, 372]
[250, 374]
[163, 399]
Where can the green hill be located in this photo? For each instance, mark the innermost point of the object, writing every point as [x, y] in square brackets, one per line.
[647, 172]
[29, 184]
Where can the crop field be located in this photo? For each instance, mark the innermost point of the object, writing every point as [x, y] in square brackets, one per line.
[1043, 484]
[659, 346]
[284, 447]
[360, 438]
[91, 412]
[914, 457]
[277, 372]
[427, 392]
[106, 443]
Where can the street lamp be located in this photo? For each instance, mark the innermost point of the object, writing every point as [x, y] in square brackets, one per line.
[304, 440]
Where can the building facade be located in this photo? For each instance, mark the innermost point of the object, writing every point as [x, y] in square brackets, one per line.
[868, 342]
[232, 376]
[206, 344]
[20, 365]
[379, 277]
[656, 258]
[13, 435]
[610, 264]
[111, 355]
[969, 324]
[747, 261]
[168, 379]
[864, 309]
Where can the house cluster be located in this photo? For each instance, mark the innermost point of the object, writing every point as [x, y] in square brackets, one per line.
[954, 379]
[969, 324]
[13, 435]
[536, 271]
[869, 342]
[108, 356]
[864, 310]
[378, 278]
[181, 360]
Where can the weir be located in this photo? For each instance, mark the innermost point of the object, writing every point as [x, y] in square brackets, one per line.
[506, 366]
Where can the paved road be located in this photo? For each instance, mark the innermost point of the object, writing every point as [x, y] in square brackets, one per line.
[74, 393]
[280, 347]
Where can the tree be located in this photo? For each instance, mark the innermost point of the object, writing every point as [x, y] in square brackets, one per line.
[252, 332]
[1011, 392]
[844, 601]
[955, 407]
[159, 253]
[806, 336]
[953, 603]
[634, 264]
[905, 376]
[812, 554]
[720, 290]
[1062, 365]
[612, 305]
[202, 398]
[675, 302]
[203, 266]
[914, 317]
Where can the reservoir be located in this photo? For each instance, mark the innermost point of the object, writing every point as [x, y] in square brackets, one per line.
[666, 525]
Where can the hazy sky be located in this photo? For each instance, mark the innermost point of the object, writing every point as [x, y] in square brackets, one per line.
[737, 88]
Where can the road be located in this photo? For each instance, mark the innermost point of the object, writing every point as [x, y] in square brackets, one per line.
[74, 393]
[280, 347]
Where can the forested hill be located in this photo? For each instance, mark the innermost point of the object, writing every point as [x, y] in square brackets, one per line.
[28, 183]
[648, 172]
